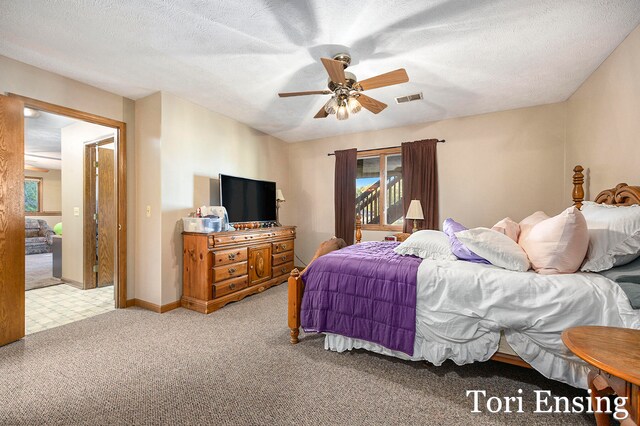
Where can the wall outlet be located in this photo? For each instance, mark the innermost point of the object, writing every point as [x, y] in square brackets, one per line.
[76, 211]
[148, 211]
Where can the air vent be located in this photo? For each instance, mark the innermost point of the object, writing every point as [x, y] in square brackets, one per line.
[409, 98]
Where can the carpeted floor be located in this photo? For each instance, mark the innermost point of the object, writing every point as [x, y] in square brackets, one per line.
[236, 366]
[38, 271]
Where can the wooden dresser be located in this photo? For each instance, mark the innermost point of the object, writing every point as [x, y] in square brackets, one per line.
[223, 267]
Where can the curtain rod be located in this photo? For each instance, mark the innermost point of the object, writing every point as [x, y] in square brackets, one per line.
[378, 149]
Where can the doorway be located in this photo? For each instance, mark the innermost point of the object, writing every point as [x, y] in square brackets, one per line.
[12, 208]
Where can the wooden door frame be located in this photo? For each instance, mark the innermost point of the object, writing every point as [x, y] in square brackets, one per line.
[89, 206]
[12, 240]
[120, 279]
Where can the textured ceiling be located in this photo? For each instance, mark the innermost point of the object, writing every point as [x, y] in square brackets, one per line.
[466, 56]
[42, 137]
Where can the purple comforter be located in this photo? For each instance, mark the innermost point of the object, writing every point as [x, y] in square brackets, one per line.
[365, 291]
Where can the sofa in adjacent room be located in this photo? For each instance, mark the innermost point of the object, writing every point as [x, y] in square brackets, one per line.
[38, 236]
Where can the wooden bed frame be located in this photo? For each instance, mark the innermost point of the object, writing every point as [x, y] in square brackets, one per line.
[621, 195]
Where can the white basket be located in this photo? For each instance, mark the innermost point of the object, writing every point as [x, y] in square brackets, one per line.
[201, 224]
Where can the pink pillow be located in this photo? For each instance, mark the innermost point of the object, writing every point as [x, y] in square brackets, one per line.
[508, 227]
[529, 222]
[557, 245]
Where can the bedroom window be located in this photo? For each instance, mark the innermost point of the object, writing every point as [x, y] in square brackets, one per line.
[32, 194]
[379, 190]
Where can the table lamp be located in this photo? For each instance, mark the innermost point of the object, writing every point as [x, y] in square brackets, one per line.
[415, 213]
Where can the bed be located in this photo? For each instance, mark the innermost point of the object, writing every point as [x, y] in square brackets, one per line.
[464, 312]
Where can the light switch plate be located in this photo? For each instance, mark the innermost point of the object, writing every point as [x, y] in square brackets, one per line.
[76, 211]
[148, 211]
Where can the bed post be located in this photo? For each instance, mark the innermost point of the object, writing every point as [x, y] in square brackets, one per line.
[358, 229]
[296, 287]
[578, 191]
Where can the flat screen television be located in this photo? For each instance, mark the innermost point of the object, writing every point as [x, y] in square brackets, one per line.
[248, 200]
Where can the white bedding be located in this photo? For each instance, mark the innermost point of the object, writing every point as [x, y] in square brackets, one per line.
[462, 307]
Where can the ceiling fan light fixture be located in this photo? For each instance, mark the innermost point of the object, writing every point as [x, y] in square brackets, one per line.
[343, 112]
[353, 105]
[31, 113]
[331, 106]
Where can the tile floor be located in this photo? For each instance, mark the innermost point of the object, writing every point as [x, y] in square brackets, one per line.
[61, 304]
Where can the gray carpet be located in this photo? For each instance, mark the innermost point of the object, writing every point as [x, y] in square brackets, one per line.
[38, 271]
[235, 366]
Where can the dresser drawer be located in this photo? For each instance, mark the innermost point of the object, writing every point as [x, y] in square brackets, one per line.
[238, 237]
[221, 273]
[282, 269]
[225, 257]
[280, 233]
[283, 246]
[280, 258]
[230, 286]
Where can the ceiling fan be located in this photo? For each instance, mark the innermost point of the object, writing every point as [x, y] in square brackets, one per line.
[347, 90]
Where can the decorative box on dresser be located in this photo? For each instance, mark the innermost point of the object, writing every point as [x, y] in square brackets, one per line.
[223, 267]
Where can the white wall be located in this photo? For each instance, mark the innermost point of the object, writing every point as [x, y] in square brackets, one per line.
[51, 194]
[73, 138]
[507, 163]
[26, 80]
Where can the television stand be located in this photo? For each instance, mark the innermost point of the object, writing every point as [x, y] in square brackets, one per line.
[223, 267]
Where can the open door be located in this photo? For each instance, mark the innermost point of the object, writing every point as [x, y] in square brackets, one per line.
[11, 220]
[106, 216]
[100, 223]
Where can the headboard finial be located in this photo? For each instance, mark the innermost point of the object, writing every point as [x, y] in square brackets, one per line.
[578, 190]
[358, 229]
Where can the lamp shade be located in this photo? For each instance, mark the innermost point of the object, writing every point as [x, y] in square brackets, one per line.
[415, 210]
[279, 195]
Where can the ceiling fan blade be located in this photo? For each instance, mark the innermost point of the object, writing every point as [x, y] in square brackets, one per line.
[311, 92]
[335, 69]
[388, 79]
[371, 104]
[322, 113]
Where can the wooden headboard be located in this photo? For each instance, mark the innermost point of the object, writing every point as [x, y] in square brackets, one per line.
[621, 195]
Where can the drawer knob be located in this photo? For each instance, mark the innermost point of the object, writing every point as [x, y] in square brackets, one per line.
[232, 270]
[283, 246]
[284, 257]
[232, 256]
[284, 270]
[232, 286]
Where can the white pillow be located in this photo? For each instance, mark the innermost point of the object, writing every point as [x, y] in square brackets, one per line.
[496, 247]
[427, 244]
[614, 235]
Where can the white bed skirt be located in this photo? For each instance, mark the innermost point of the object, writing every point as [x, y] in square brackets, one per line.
[569, 370]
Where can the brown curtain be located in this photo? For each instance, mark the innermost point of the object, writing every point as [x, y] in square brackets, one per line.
[420, 181]
[345, 193]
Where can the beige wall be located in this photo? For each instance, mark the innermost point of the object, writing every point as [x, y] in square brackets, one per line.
[147, 237]
[198, 144]
[493, 165]
[51, 194]
[26, 80]
[73, 138]
[51, 189]
[184, 146]
[603, 126]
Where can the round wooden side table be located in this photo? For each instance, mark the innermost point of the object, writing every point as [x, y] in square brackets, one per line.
[615, 355]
